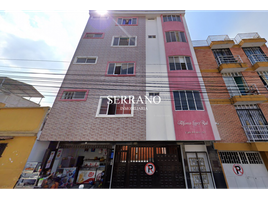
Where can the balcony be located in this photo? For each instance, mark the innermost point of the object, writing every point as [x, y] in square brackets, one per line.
[230, 63]
[242, 94]
[256, 132]
[259, 62]
[249, 40]
[219, 41]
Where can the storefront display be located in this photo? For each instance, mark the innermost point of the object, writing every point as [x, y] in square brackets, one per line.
[29, 175]
[75, 166]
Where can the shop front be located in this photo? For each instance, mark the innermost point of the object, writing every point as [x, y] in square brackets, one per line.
[129, 165]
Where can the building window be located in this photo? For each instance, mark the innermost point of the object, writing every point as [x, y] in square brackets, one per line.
[127, 21]
[124, 41]
[74, 95]
[253, 122]
[180, 63]
[169, 18]
[255, 54]
[223, 56]
[175, 36]
[151, 36]
[234, 157]
[99, 17]
[237, 86]
[85, 60]
[153, 94]
[2, 148]
[187, 100]
[94, 35]
[115, 107]
[199, 170]
[264, 78]
[121, 68]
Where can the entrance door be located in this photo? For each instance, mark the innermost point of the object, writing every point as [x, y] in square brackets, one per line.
[130, 161]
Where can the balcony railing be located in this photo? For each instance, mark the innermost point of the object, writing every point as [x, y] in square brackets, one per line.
[241, 89]
[229, 59]
[242, 36]
[254, 58]
[212, 38]
[256, 132]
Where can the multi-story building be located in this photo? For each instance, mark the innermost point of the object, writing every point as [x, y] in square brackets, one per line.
[235, 75]
[20, 122]
[133, 95]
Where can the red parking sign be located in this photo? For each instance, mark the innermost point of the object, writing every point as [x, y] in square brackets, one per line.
[238, 170]
[149, 168]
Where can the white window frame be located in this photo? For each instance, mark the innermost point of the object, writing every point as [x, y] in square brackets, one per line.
[64, 95]
[177, 36]
[125, 18]
[124, 45]
[115, 115]
[172, 18]
[179, 59]
[188, 101]
[120, 64]
[89, 57]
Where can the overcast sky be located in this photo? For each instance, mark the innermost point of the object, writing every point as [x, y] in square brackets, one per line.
[37, 46]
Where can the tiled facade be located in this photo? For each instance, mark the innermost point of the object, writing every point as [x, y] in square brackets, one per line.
[77, 121]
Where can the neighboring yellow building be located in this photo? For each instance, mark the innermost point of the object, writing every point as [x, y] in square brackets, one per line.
[20, 121]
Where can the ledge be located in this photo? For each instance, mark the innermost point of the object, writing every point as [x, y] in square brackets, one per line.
[221, 44]
[260, 66]
[248, 99]
[232, 67]
[252, 42]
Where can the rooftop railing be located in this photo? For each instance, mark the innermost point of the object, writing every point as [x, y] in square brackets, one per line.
[212, 38]
[242, 36]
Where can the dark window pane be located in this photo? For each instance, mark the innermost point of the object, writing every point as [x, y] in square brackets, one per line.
[111, 68]
[119, 21]
[116, 40]
[183, 66]
[117, 70]
[198, 100]
[190, 100]
[81, 60]
[79, 95]
[178, 66]
[104, 104]
[171, 66]
[169, 18]
[91, 60]
[164, 18]
[124, 68]
[134, 21]
[183, 100]
[123, 41]
[112, 108]
[98, 35]
[130, 68]
[177, 101]
[189, 64]
[132, 41]
[168, 37]
[173, 36]
[178, 18]
[183, 39]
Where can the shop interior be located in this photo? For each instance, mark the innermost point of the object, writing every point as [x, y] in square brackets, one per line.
[87, 167]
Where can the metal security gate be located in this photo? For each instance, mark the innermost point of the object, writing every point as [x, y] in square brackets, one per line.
[130, 161]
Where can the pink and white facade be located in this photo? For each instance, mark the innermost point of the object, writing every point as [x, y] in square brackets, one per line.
[186, 125]
[134, 88]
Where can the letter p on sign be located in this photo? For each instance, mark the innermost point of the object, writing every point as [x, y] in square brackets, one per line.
[149, 168]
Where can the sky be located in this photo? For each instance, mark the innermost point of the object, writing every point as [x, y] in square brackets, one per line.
[38, 43]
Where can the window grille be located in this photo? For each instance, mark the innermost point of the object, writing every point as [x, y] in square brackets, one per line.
[234, 157]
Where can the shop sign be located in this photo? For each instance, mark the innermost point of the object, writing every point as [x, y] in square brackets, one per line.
[238, 170]
[59, 153]
[149, 168]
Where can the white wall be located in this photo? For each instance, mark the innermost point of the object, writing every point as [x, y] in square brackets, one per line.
[159, 118]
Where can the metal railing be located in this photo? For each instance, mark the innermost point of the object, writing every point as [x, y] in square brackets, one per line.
[257, 58]
[242, 89]
[229, 59]
[256, 132]
[242, 36]
[212, 38]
